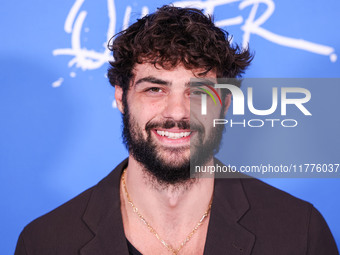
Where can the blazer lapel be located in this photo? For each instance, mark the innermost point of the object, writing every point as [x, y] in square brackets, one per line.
[225, 234]
[103, 217]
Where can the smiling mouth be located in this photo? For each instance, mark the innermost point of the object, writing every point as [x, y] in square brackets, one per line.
[173, 135]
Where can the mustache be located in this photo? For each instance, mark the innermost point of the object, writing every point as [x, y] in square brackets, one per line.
[170, 123]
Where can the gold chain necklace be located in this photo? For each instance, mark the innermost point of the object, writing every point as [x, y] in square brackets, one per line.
[153, 231]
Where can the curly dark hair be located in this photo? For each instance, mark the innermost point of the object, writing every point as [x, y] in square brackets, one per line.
[174, 35]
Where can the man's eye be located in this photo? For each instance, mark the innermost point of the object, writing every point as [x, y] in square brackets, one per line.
[154, 90]
[197, 92]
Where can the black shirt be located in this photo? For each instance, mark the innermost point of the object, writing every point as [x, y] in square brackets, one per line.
[132, 249]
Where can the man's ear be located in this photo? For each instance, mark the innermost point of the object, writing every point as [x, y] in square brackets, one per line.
[119, 98]
[227, 101]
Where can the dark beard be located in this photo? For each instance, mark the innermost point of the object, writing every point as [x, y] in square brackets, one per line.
[145, 151]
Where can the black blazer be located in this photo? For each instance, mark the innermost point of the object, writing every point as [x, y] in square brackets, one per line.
[247, 217]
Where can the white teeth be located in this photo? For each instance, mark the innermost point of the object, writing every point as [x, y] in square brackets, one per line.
[172, 135]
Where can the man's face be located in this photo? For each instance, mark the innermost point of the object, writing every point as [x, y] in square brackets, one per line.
[159, 129]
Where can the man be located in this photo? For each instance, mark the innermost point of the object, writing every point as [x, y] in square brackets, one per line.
[149, 204]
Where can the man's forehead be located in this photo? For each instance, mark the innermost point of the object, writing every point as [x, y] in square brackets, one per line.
[156, 74]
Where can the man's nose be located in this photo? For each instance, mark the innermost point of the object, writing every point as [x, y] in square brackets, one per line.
[177, 107]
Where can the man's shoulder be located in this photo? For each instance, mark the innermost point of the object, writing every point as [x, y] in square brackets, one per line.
[58, 226]
[262, 198]
[259, 191]
[277, 215]
[66, 213]
[77, 206]
[273, 216]
[71, 225]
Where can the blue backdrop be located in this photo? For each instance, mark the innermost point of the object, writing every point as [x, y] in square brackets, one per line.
[60, 130]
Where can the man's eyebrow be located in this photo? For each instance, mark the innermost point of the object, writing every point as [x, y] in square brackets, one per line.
[154, 80]
[202, 82]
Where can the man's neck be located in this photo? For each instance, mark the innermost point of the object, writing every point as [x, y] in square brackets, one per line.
[144, 190]
[172, 211]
